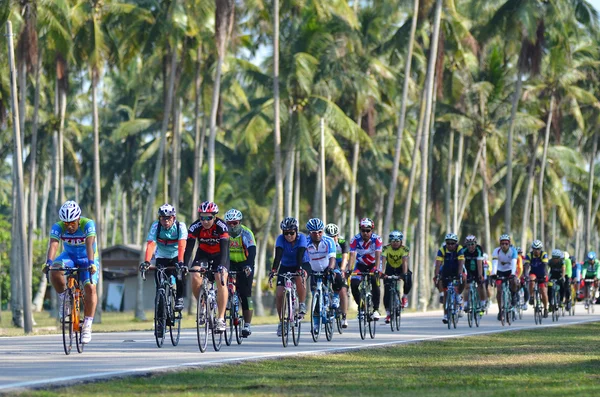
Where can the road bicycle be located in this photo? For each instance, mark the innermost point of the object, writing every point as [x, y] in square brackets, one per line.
[554, 297]
[164, 305]
[506, 308]
[451, 305]
[233, 313]
[475, 310]
[395, 305]
[573, 302]
[365, 307]
[321, 313]
[538, 307]
[290, 310]
[73, 309]
[590, 294]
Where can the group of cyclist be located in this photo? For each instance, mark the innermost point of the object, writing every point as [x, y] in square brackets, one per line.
[464, 265]
[227, 245]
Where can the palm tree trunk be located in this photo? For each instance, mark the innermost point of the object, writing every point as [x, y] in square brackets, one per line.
[288, 187]
[467, 193]
[457, 176]
[323, 174]
[535, 215]
[124, 215]
[588, 222]
[115, 218]
[355, 155]
[553, 226]
[44, 206]
[148, 217]
[399, 132]
[277, 127]
[484, 195]
[176, 153]
[529, 196]
[262, 265]
[61, 144]
[448, 195]
[543, 169]
[428, 92]
[511, 128]
[97, 190]
[16, 281]
[198, 137]
[297, 185]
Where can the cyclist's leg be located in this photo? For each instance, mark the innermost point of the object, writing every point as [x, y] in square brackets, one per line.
[376, 292]
[244, 289]
[387, 284]
[354, 284]
[57, 279]
[300, 284]
[544, 291]
[222, 290]
[532, 278]
[196, 278]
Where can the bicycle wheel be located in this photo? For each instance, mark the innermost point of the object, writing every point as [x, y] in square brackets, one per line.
[78, 308]
[371, 321]
[398, 313]
[329, 323]
[174, 321]
[362, 318]
[67, 322]
[449, 308]
[478, 309]
[338, 321]
[471, 312]
[502, 311]
[315, 316]
[202, 320]
[286, 315]
[238, 321]
[507, 309]
[455, 309]
[217, 337]
[160, 317]
[296, 324]
[392, 308]
[229, 321]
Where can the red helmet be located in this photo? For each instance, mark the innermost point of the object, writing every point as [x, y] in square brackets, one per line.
[366, 222]
[208, 207]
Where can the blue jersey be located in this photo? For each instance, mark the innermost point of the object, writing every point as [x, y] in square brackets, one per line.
[74, 244]
[318, 254]
[167, 243]
[290, 250]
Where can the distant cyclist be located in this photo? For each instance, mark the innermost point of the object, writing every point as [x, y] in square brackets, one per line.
[536, 263]
[473, 254]
[556, 266]
[341, 258]
[590, 271]
[504, 264]
[395, 263]
[449, 265]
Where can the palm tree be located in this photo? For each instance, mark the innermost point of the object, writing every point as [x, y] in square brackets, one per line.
[277, 130]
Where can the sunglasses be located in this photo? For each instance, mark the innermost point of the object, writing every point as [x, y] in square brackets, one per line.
[233, 223]
[395, 240]
[207, 218]
[165, 218]
[72, 223]
[450, 243]
[504, 243]
[317, 232]
[365, 230]
[290, 233]
[471, 244]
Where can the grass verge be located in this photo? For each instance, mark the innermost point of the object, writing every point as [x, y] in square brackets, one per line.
[557, 361]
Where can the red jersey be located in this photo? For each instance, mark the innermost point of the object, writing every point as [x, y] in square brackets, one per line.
[209, 239]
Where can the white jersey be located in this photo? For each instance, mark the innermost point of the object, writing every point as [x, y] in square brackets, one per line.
[504, 261]
[318, 254]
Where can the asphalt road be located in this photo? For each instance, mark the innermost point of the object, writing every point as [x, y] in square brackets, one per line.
[38, 361]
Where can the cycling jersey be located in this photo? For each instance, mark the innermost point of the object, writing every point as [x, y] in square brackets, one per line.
[504, 261]
[568, 268]
[208, 239]
[394, 257]
[317, 254]
[74, 243]
[168, 240]
[537, 263]
[590, 270]
[238, 246]
[555, 266]
[471, 259]
[365, 250]
[449, 260]
[341, 247]
[289, 258]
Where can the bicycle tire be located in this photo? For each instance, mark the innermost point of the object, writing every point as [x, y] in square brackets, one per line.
[202, 320]
[362, 319]
[78, 309]
[160, 317]
[507, 305]
[217, 337]
[329, 325]
[454, 312]
[67, 322]
[174, 321]
[285, 319]
[338, 321]
[371, 321]
[392, 308]
[315, 317]
[449, 308]
[296, 326]
[238, 322]
[398, 313]
[477, 314]
[471, 312]
[229, 321]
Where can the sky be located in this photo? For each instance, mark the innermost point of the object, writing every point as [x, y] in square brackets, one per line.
[595, 3]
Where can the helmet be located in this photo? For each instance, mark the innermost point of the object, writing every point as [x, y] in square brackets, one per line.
[505, 237]
[367, 222]
[557, 253]
[208, 207]
[314, 225]
[166, 210]
[519, 250]
[69, 211]
[566, 254]
[289, 223]
[451, 237]
[332, 230]
[396, 235]
[233, 215]
[591, 255]
[471, 239]
[537, 245]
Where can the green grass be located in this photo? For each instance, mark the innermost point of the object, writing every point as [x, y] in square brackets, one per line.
[111, 322]
[556, 361]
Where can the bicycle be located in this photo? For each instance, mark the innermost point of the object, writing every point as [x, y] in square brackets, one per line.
[337, 312]
[451, 305]
[573, 297]
[290, 311]
[164, 305]
[590, 294]
[233, 315]
[321, 312]
[521, 300]
[538, 307]
[395, 306]
[73, 309]
[206, 312]
[555, 299]
[474, 312]
[506, 308]
[365, 307]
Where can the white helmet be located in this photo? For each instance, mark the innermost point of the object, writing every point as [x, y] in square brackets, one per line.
[233, 215]
[69, 211]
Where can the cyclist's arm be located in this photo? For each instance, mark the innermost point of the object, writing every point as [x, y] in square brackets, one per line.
[277, 259]
[383, 263]
[300, 256]
[89, 249]
[494, 267]
[352, 257]
[405, 265]
[150, 249]
[513, 266]
[182, 243]
[251, 256]
[344, 263]
[377, 260]
[224, 249]
[583, 271]
[52, 248]
[480, 267]
[189, 249]
[438, 263]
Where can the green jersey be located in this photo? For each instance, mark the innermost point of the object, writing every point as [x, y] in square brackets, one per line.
[590, 270]
[568, 268]
[238, 246]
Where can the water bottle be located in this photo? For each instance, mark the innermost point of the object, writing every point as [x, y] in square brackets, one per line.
[336, 300]
[173, 283]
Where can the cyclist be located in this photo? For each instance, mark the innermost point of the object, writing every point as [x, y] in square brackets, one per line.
[521, 276]
[212, 235]
[473, 254]
[167, 239]
[590, 272]
[242, 253]
[449, 264]
[320, 254]
[535, 265]
[556, 266]
[504, 264]
[568, 278]
[576, 276]
[78, 236]
[486, 279]
[341, 248]
[365, 255]
[395, 263]
[289, 254]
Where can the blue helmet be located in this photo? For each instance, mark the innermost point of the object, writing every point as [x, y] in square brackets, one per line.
[314, 225]
[591, 255]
